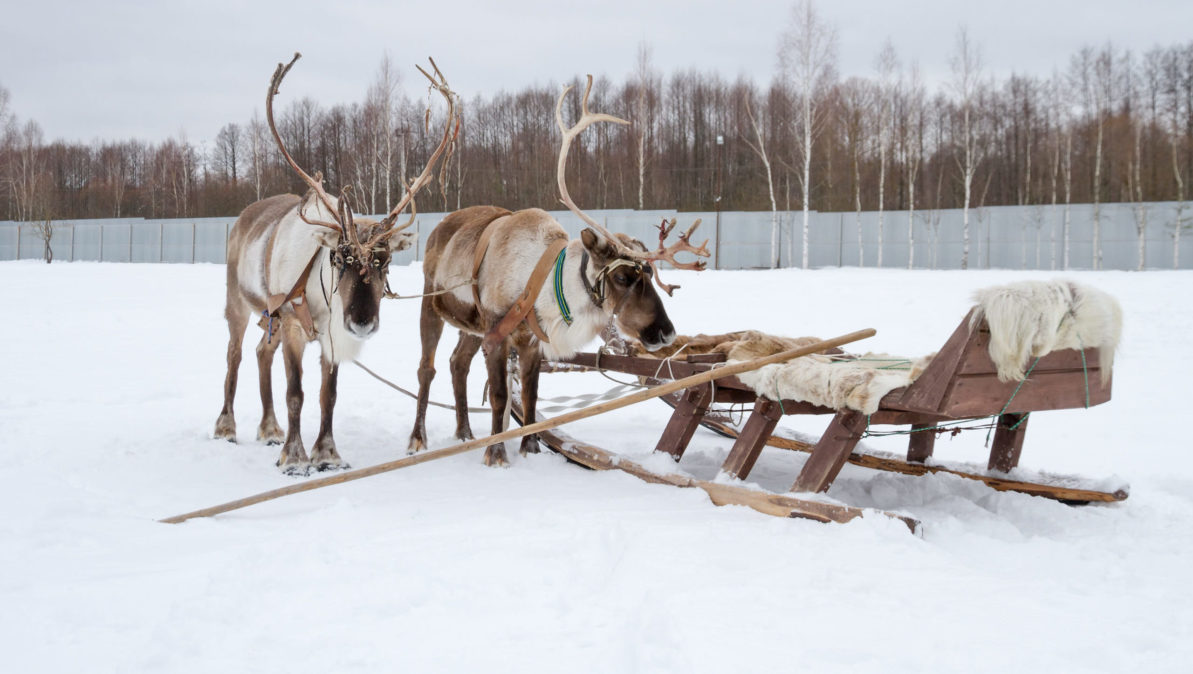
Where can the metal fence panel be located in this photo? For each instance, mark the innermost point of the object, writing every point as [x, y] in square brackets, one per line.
[1006, 237]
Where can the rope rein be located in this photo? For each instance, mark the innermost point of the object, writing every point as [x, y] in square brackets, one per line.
[390, 295]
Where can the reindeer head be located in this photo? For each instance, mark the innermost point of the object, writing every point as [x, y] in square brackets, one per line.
[360, 249]
[622, 265]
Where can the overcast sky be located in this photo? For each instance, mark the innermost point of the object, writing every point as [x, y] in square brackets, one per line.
[130, 69]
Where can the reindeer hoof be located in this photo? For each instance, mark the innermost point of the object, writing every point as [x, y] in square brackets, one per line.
[530, 445]
[416, 445]
[270, 434]
[464, 434]
[495, 456]
[325, 466]
[295, 469]
[225, 428]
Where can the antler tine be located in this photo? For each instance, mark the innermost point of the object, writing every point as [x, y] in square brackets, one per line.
[315, 183]
[394, 230]
[587, 119]
[683, 245]
[345, 215]
[668, 253]
[450, 132]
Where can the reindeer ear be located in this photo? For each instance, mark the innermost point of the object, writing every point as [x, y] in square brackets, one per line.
[596, 244]
[328, 238]
[402, 241]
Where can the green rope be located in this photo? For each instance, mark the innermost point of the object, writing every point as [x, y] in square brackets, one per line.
[1013, 394]
[1084, 370]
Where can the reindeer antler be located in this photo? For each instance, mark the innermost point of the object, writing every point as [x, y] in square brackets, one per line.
[315, 183]
[587, 119]
[451, 130]
[668, 253]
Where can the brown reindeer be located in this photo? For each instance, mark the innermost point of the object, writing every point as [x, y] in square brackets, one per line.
[489, 268]
[310, 270]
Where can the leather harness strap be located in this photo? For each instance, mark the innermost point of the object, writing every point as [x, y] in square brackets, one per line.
[482, 247]
[297, 295]
[523, 308]
[297, 298]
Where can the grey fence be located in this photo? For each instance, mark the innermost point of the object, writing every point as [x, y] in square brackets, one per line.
[1003, 237]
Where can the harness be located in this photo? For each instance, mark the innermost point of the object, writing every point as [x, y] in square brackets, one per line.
[552, 259]
[524, 306]
[296, 298]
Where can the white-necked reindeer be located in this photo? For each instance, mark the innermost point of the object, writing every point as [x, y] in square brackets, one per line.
[505, 258]
[310, 270]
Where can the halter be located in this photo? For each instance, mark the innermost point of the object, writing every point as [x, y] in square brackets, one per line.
[347, 254]
[596, 291]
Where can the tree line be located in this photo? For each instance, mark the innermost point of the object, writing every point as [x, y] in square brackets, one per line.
[1111, 125]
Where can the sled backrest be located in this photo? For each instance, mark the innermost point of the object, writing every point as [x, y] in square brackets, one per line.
[962, 380]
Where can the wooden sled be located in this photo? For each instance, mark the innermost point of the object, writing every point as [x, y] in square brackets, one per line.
[960, 384]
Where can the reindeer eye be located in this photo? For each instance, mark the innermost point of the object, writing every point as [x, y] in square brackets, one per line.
[621, 279]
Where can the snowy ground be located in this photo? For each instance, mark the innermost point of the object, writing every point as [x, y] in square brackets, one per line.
[112, 383]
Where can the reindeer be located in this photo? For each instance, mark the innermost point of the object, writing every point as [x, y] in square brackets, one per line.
[310, 270]
[485, 274]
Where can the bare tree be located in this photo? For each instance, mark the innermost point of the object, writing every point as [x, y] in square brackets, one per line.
[807, 58]
[966, 65]
[854, 100]
[1134, 80]
[1057, 133]
[28, 174]
[256, 142]
[758, 145]
[887, 64]
[227, 152]
[646, 83]
[382, 101]
[43, 229]
[1176, 106]
[912, 149]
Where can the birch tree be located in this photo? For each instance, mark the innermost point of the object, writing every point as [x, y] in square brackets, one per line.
[1176, 106]
[966, 65]
[888, 89]
[382, 101]
[912, 150]
[854, 98]
[758, 145]
[645, 105]
[256, 141]
[807, 59]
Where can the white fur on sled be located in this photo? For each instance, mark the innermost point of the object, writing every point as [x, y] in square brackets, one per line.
[831, 382]
[1031, 318]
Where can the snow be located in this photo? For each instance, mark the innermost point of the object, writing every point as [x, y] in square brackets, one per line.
[112, 382]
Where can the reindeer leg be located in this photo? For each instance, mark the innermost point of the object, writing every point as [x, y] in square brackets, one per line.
[430, 329]
[268, 432]
[461, 362]
[498, 395]
[530, 362]
[225, 425]
[293, 459]
[324, 455]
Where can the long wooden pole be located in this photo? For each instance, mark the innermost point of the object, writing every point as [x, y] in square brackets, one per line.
[640, 396]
